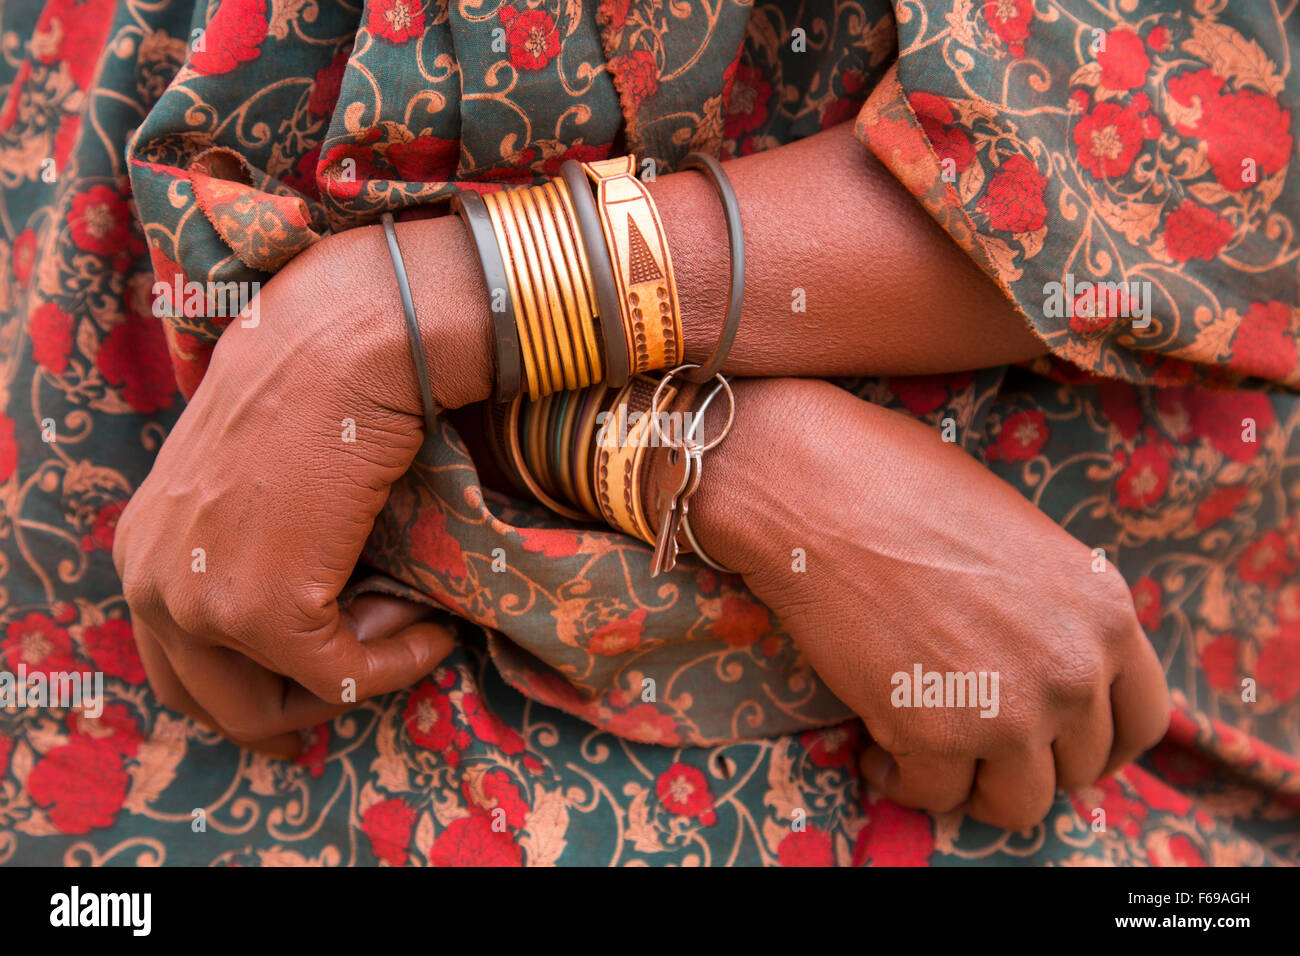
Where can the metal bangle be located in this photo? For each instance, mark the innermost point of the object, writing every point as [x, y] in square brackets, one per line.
[712, 169]
[412, 327]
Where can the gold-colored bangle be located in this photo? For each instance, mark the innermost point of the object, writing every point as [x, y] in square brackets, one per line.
[531, 344]
[513, 206]
[643, 266]
[553, 319]
[565, 310]
[574, 260]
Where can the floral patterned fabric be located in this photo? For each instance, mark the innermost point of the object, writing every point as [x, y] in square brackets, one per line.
[215, 141]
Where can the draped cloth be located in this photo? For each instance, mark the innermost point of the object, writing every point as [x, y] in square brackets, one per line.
[1058, 145]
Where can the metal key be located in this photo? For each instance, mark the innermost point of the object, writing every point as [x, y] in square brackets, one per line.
[671, 481]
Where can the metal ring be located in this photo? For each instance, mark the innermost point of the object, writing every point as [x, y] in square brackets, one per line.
[657, 432]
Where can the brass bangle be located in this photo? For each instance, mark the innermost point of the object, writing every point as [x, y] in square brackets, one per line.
[512, 206]
[575, 263]
[559, 354]
[530, 332]
[564, 311]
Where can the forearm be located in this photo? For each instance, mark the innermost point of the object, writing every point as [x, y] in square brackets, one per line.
[886, 291]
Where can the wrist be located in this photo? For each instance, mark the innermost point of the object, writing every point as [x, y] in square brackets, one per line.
[451, 309]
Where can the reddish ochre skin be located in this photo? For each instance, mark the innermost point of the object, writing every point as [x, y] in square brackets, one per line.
[913, 552]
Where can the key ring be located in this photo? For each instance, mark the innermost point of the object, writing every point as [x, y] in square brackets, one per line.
[662, 439]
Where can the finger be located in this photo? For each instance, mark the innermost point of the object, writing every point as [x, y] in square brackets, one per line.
[1139, 701]
[248, 701]
[172, 694]
[923, 781]
[1081, 750]
[374, 617]
[1014, 790]
[380, 665]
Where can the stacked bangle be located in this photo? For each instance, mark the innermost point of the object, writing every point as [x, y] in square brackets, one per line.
[412, 327]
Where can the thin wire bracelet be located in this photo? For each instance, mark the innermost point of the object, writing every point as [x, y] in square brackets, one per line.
[686, 519]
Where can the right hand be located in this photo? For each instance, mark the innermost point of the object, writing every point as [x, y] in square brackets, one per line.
[918, 554]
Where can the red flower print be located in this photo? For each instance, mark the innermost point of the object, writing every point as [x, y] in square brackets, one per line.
[1265, 341]
[638, 77]
[41, 644]
[1122, 813]
[741, 622]
[810, 847]
[746, 101]
[1181, 767]
[115, 728]
[496, 791]
[895, 836]
[832, 746]
[428, 718]
[425, 159]
[233, 36]
[1178, 851]
[1219, 504]
[24, 253]
[1158, 39]
[1013, 200]
[552, 544]
[645, 724]
[1148, 601]
[471, 841]
[935, 116]
[1010, 20]
[6, 748]
[612, 13]
[1279, 667]
[77, 30]
[531, 36]
[1021, 437]
[1193, 231]
[100, 221]
[489, 728]
[1219, 661]
[104, 529]
[1146, 477]
[345, 168]
[684, 790]
[1108, 139]
[1223, 419]
[431, 544]
[111, 646]
[1124, 61]
[82, 785]
[388, 824]
[327, 83]
[618, 636]
[922, 394]
[397, 21]
[8, 448]
[9, 112]
[1237, 127]
[1265, 561]
[50, 329]
[303, 175]
[134, 358]
[1119, 403]
[315, 750]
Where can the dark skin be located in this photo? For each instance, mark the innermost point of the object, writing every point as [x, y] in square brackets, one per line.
[902, 567]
